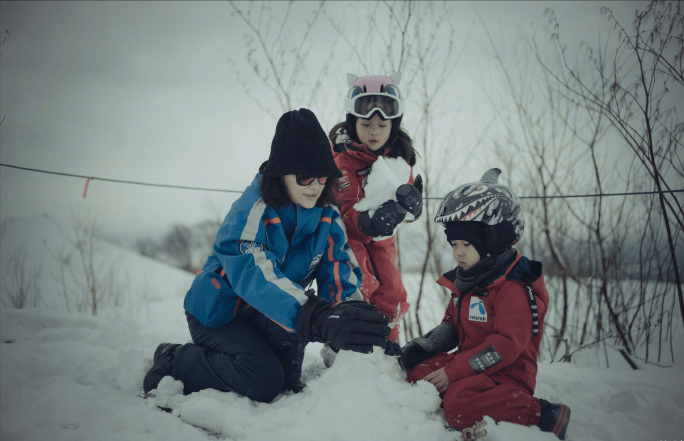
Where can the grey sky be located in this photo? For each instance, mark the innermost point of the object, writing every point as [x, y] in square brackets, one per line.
[144, 91]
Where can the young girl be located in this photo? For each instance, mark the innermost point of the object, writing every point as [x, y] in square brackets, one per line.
[374, 109]
[495, 316]
[249, 312]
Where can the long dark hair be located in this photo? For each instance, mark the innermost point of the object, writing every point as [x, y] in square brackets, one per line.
[399, 142]
[274, 193]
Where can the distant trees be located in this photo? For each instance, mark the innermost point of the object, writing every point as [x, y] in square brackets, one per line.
[92, 271]
[20, 281]
[603, 123]
[634, 84]
[82, 275]
[275, 61]
[185, 247]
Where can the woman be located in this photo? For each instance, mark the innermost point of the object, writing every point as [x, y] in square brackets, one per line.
[249, 312]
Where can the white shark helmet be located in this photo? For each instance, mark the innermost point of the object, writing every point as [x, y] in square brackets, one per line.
[487, 202]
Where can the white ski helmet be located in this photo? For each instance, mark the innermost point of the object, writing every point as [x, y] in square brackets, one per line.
[489, 203]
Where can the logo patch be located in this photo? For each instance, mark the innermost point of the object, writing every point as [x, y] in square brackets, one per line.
[477, 311]
[485, 359]
[315, 261]
[364, 171]
[343, 182]
[312, 266]
[249, 247]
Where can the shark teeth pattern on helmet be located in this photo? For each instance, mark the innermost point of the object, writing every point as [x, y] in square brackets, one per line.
[474, 208]
[469, 212]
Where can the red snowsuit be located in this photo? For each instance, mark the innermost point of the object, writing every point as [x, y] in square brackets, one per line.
[494, 370]
[381, 282]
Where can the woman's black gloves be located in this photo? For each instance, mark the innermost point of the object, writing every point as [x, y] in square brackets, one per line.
[443, 338]
[353, 325]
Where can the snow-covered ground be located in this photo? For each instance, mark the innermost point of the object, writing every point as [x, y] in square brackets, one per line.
[70, 376]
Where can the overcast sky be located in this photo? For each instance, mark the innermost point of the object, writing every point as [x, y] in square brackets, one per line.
[144, 91]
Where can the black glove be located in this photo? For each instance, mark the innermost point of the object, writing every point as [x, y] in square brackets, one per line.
[412, 354]
[442, 338]
[418, 183]
[393, 349]
[410, 197]
[384, 220]
[354, 325]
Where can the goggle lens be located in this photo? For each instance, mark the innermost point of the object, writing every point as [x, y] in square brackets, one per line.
[307, 180]
[365, 105]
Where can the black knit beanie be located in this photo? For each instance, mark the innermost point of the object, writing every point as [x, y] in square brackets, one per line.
[471, 232]
[300, 147]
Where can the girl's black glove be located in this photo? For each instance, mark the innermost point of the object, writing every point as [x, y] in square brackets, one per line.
[410, 197]
[353, 325]
[384, 220]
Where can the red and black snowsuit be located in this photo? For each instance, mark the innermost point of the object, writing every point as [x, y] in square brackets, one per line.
[381, 283]
[493, 372]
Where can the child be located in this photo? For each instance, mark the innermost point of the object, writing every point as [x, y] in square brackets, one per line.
[374, 110]
[495, 316]
[249, 312]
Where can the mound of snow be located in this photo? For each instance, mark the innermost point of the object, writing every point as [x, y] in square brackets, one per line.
[359, 397]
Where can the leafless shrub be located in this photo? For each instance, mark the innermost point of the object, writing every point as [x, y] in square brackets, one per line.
[20, 281]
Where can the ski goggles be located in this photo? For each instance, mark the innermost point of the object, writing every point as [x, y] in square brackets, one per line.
[363, 105]
[303, 181]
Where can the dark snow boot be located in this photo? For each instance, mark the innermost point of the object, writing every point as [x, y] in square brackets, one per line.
[554, 418]
[161, 365]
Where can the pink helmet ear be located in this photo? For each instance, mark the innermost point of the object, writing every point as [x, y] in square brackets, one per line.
[351, 78]
[396, 77]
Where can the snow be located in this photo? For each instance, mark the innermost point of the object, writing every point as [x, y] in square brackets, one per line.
[71, 376]
[386, 175]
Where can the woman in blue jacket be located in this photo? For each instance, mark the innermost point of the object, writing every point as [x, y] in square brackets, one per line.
[250, 311]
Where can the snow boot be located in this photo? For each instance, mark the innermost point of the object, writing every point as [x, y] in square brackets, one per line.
[161, 365]
[554, 418]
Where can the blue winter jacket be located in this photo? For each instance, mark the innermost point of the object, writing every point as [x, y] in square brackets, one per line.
[265, 258]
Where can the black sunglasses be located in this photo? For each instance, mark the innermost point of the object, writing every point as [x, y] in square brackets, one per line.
[306, 180]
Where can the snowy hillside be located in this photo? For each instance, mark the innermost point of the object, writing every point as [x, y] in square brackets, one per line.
[70, 376]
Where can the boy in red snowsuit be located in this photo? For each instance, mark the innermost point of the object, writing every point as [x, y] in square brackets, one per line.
[495, 316]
